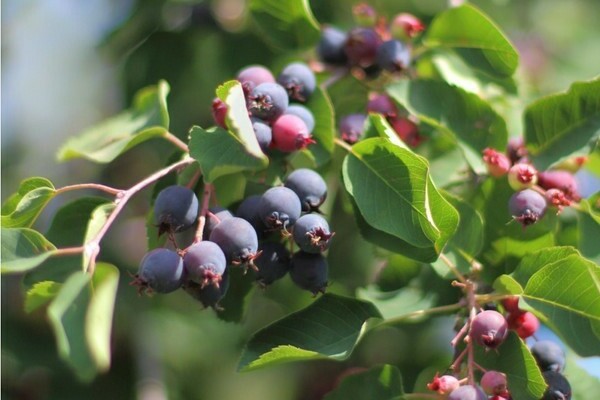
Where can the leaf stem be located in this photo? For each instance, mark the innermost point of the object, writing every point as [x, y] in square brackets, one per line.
[68, 251]
[453, 268]
[208, 192]
[176, 141]
[92, 248]
[429, 311]
[97, 186]
[343, 144]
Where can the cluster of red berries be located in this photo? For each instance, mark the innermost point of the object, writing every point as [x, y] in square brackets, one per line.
[535, 190]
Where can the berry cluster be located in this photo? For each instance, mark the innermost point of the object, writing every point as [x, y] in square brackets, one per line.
[278, 123]
[535, 190]
[252, 239]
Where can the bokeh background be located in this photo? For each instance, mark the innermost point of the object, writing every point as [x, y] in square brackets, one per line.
[67, 64]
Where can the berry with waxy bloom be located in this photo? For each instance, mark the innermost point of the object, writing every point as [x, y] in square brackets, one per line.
[290, 133]
[488, 329]
[467, 392]
[548, 355]
[522, 176]
[527, 206]
[443, 384]
[494, 383]
[497, 163]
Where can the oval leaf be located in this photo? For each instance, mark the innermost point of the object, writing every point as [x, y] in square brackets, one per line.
[558, 125]
[23, 249]
[147, 118]
[476, 38]
[394, 193]
[22, 208]
[465, 116]
[286, 24]
[40, 294]
[328, 328]
[378, 383]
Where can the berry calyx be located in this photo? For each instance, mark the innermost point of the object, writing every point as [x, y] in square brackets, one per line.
[279, 208]
[497, 163]
[488, 329]
[311, 233]
[556, 198]
[443, 384]
[238, 240]
[406, 26]
[268, 101]
[522, 176]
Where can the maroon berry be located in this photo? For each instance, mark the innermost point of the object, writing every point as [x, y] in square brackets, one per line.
[352, 127]
[407, 130]
[494, 383]
[406, 26]
[497, 163]
[562, 180]
[361, 46]
[382, 104]
[524, 323]
[511, 304]
[515, 149]
[290, 133]
[527, 206]
[488, 329]
[219, 111]
[522, 176]
[443, 384]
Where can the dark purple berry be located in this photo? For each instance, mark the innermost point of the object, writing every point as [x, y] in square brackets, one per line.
[273, 263]
[311, 233]
[382, 104]
[253, 75]
[309, 186]
[558, 386]
[331, 46]
[263, 133]
[489, 329]
[175, 209]
[299, 81]
[209, 295]
[527, 206]
[309, 271]
[304, 113]
[268, 101]
[393, 56]
[352, 127]
[238, 240]
[361, 46]
[248, 210]
[290, 134]
[279, 208]
[216, 215]
[205, 263]
[549, 356]
[467, 392]
[161, 271]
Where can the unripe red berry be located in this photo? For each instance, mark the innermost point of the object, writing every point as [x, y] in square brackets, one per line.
[488, 329]
[219, 111]
[406, 26]
[497, 163]
[522, 176]
[556, 198]
[494, 383]
[524, 323]
[443, 384]
[511, 304]
[290, 134]
[407, 130]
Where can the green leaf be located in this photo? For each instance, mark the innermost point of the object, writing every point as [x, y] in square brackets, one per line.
[82, 320]
[476, 38]
[558, 125]
[378, 383]
[147, 118]
[585, 386]
[395, 195]
[398, 303]
[97, 220]
[220, 152]
[463, 115]
[324, 131]
[286, 24]
[22, 208]
[589, 232]
[328, 328]
[564, 293]
[466, 243]
[69, 223]
[515, 360]
[40, 294]
[378, 126]
[23, 249]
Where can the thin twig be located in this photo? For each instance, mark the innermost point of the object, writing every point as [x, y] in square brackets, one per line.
[429, 311]
[453, 268]
[104, 188]
[208, 191]
[68, 251]
[176, 141]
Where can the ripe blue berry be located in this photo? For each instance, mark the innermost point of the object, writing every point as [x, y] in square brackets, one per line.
[393, 56]
[218, 214]
[209, 295]
[309, 186]
[248, 210]
[161, 271]
[467, 392]
[263, 133]
[549, 356]
[558, 386]
[279, 208]
[304, 113]
[238, 240]
[273, 263]
[298, 80]
[290, 133]
[331, 46]
[361, 46]
[527, 206]
[268, 101]
[489, 329]
[309, 271]
[311, 233]
[352, 127]
[205, 263]
[175, 209]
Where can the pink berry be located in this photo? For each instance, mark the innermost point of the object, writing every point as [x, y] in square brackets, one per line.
[562, 180]
[494, 383]
[511, 304]
[524, 323]
[253, 75]
[219, 111]
[443, 384]
[497, 163]
[290, 134]
[557, 198]
[406, 26]
[522, 176]
[488, 329]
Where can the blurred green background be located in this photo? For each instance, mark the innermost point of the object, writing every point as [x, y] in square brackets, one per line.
[67, 64]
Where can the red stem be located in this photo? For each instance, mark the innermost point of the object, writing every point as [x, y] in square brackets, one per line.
[208, 192]
[176, 141]
[104, 188]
